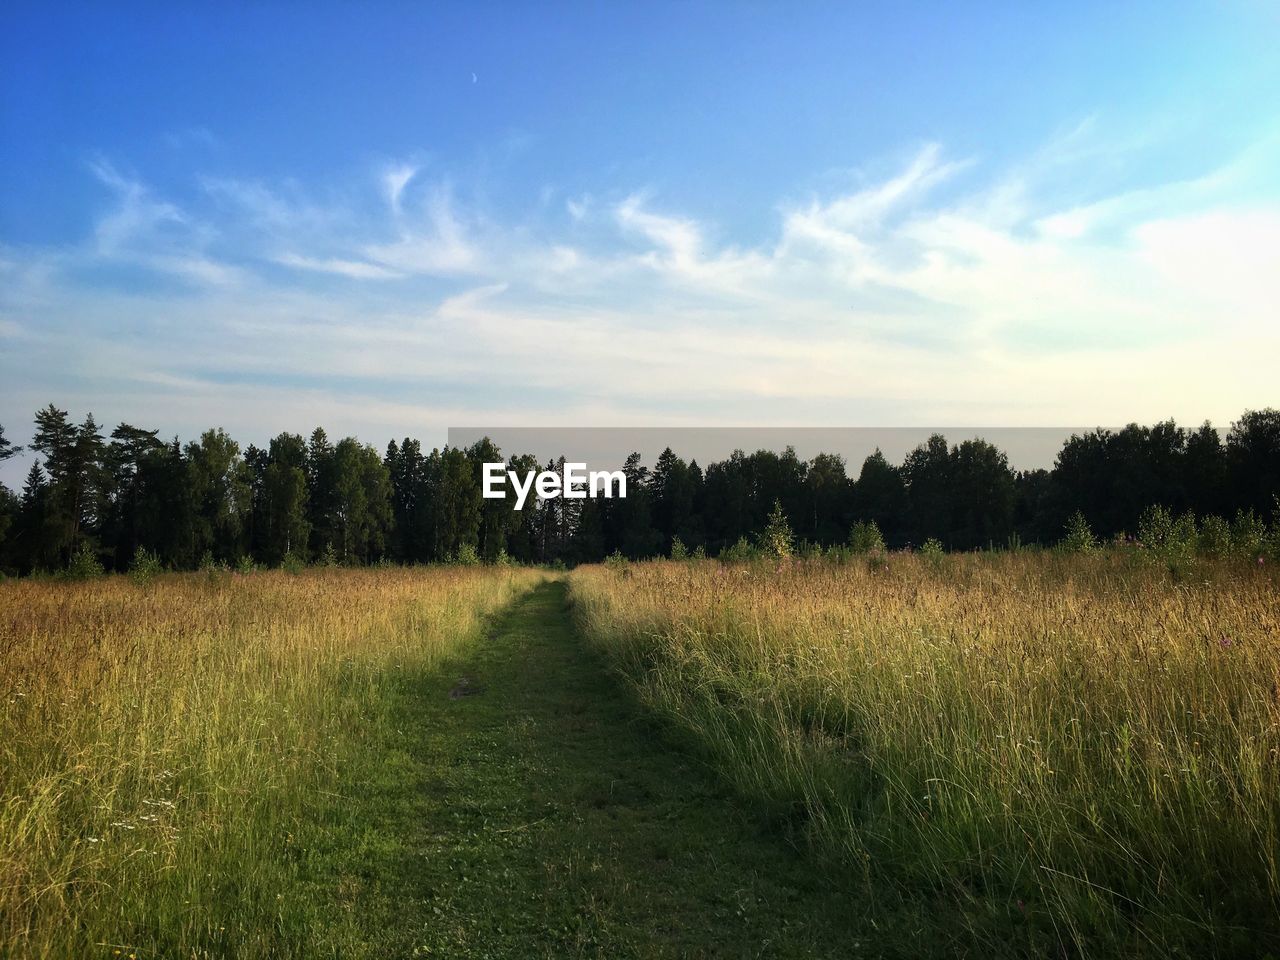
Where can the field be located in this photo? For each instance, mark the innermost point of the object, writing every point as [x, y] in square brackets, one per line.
[1070, 753]
[169, 751]
[1009, 754]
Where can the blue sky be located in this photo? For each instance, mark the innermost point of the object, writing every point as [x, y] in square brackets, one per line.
[393, 218]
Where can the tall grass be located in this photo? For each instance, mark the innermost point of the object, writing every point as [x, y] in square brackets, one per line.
[165, 747]
[1067, 755]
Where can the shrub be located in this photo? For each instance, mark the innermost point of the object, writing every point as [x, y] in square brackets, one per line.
[678, 550]
[467, 556]
[146, 566]
[246, 565]
[1169, 541]
[1215, 538]
[1248, 535]
[740, 551]
[616, 561]
[778, 540]
[503, 559]
[865, 537]
[84, 564]
[292, 563]
[933, 554]
[330, 556]
[808, 550]
[1078, 537]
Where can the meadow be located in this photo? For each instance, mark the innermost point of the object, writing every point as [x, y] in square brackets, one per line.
[1017, 753]
[1061, 754]
[174, 752]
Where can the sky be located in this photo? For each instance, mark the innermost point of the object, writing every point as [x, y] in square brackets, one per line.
[392, 218]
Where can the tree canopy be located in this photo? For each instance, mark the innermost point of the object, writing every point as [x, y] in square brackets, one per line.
[210, 502]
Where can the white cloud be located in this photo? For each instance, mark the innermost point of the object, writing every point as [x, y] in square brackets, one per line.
[394, 180]
[437, 246]
[355, 269]
[136, 216]
[914, 298]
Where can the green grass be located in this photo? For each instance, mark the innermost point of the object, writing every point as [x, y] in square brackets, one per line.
[545, 817]
[761, 761]
[1052, 755]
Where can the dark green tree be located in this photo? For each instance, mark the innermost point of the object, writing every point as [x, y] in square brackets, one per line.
[982, 496]
[73, 459]
[927, 476]
[458, 504]
[880, 497]
[361, 512]
[1253, 460]
[222, 497]
[123, 522]
[284, 494]
[7, 449]
[828, 493]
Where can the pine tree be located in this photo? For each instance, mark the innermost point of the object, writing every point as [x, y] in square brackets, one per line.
[7, 449]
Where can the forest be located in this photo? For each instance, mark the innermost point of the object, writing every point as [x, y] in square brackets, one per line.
[98, 500]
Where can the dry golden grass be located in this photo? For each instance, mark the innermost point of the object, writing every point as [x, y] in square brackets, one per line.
[163, 745]
[1078, 751]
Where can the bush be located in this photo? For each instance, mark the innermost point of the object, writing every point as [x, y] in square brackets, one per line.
[1248, 535]
[678, 550]
[1215, 538]
[616, 561]
[146, 566]
[84, 564]
[330, 556]
[865, 537]
[777, 540]
[246, 565]
[503, 559]
[933, 554]
[739, 552]
[1169, 541]
[1078, 537]
[292, 563]
[467, 556]
[1157, 530]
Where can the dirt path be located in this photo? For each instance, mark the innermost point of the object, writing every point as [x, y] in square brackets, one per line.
[544, 817]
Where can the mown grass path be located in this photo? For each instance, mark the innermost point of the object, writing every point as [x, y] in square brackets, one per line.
[543, 816]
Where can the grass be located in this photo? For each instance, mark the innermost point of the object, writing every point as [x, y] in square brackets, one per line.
[363, 764]
[553, 819]
[986, 755]
[169, 751]
[1056, 755]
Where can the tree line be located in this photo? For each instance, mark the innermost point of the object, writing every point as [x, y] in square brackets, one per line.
[108, 498]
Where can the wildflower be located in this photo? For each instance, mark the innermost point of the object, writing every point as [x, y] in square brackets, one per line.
[1224, 641]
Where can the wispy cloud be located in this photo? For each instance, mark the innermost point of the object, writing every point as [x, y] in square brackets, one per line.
[433, 242]
[394, 180]
[355, 269]
[939, 291]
